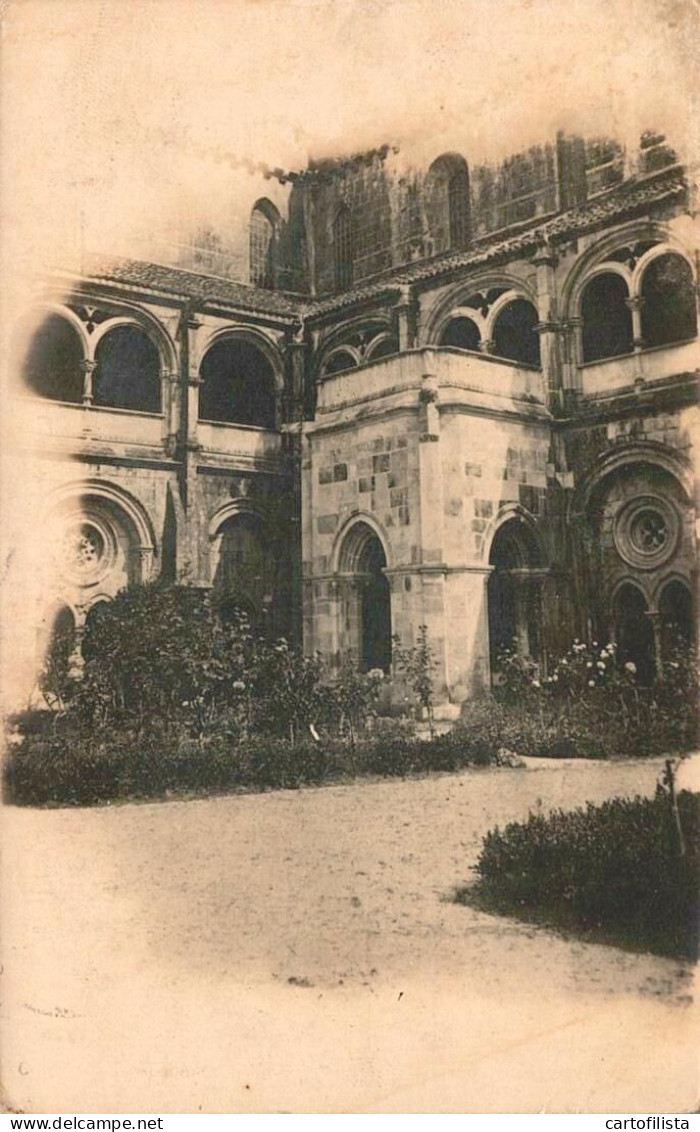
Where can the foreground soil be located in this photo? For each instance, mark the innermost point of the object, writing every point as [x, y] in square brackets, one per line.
[301, 952]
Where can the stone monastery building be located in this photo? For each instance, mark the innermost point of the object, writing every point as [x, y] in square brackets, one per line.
[460, 397]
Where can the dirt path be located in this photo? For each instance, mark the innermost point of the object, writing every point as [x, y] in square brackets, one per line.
[300, 952]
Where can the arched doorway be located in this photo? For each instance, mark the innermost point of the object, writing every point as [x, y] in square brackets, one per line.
[634, 633]
[367, 599]
[675, 618]
[514, 593]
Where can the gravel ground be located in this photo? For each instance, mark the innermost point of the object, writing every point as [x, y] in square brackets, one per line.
[300, 952]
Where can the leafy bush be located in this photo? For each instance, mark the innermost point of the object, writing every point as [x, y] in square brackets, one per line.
[614, 869]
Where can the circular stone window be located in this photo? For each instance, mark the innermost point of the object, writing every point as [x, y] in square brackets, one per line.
[646, 532]
[86, 552]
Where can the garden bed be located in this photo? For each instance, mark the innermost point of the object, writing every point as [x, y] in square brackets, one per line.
[618, 873]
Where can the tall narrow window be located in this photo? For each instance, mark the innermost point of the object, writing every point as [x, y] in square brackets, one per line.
[447, 202]
[343, 248]
[264, 222]
[458, 208]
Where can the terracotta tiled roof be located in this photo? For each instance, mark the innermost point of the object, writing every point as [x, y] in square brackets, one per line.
[190, 285]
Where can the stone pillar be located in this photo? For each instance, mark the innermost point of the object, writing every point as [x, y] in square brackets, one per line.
[170, 386]
[88, 367]
[406, 319]
[467, 631]
[427, 599]
[295, 409]
[655, 618]
[548, 326]
[635, 304]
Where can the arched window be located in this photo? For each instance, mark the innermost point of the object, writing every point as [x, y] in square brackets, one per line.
[607, 320]
[669, 313]
[50, 352]
[264, 222]
[447, 189]
[676, 615]
[338, 362]
[128, 371]
[458, 208]
[514, 333]
[343, 250]
[238, 385]
[462, 333]
[634, 632]
[384, 348]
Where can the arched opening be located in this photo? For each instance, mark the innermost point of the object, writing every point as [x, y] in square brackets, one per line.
[669, 312]
[447, 192]
[343, 249]
[384, 348]
[514, 593]
[95, 616]
[128, 371]
[50, 356]
[367, 605]
[238, 385]
[242, 569]
[339, 362]
[55, 648]
[676, 618]
[514, 334]
[634, 632]
[264, 224]
[606, 319]
[463, 333]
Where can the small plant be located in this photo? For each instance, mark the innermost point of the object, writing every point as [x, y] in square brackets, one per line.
[417, 666]
[354, 694]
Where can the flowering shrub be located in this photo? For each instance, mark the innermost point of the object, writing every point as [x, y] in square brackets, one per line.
[613, 869]
[586, 703]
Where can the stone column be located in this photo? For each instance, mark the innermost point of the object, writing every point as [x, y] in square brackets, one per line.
[635, 304]
[170, 385]
[655, 618]
[406, 319]
[428, 604]
[88, 368]
[548, 326]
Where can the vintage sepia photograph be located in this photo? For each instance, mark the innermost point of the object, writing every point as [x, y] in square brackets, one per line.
[348, 653]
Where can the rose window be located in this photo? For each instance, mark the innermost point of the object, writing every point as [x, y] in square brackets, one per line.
[83, 551]
[648, 531]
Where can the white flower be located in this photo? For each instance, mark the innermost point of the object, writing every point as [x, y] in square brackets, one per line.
[591, 683]
[589, 664]
[601, 665]
[595, 644]
[564, 660]
[630, 666]
[536, 684]
[238, 686]
[555, 678]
